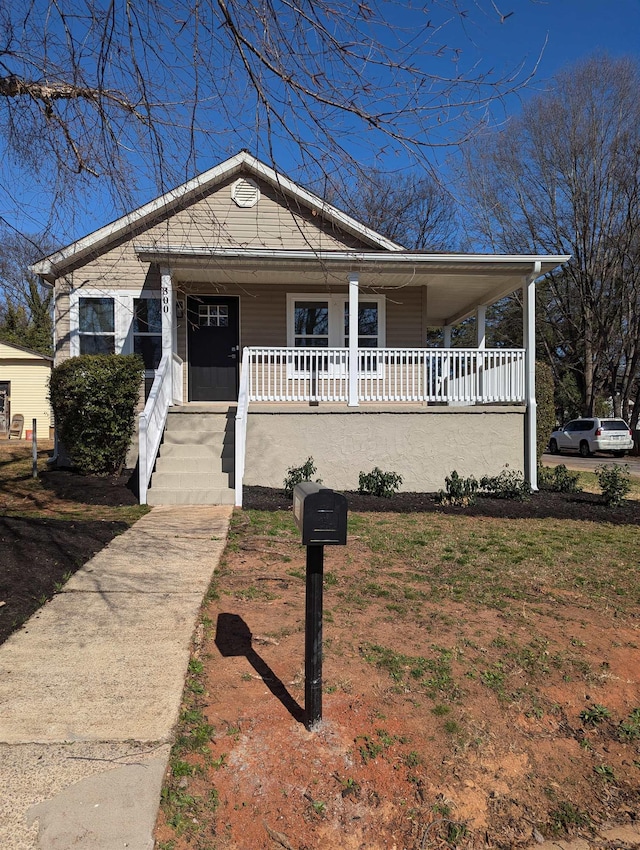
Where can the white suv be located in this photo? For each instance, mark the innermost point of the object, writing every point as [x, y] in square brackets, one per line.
[586, 436]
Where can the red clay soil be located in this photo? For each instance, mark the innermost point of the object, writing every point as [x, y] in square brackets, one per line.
[430, 753]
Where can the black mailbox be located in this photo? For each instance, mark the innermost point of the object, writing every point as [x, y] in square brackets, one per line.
[320, 514]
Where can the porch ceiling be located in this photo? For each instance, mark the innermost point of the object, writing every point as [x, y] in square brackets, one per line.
[456, 283]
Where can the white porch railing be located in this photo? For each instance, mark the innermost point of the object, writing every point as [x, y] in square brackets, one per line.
[450, 376]
[166, 390]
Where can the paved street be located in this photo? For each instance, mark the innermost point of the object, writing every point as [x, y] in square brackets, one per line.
[588, 464]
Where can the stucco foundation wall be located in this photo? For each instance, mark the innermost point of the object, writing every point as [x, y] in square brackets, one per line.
[423, 446]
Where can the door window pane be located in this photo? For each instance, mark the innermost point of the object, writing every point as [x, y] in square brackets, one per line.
[213, 315]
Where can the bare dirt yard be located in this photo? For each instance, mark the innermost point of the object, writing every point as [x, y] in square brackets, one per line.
[481, 683]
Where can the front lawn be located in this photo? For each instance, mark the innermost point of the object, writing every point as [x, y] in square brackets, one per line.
[480, 682]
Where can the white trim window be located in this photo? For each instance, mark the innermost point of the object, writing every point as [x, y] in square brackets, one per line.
[116, 322]
[322, 321]
[147, 330]
[96, 325]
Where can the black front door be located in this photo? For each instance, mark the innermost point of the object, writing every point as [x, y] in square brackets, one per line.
[213, 336]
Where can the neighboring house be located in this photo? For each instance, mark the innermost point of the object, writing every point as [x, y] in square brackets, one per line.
[275, 327]
[24, 389]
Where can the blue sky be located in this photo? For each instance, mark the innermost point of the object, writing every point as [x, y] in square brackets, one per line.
[572, 29]
[563, 31]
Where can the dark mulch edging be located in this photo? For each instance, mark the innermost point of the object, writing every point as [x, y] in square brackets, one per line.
[576, 506]
[37, 554]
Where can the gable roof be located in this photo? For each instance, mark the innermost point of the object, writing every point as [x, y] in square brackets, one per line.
[19, 348]
[56, 264]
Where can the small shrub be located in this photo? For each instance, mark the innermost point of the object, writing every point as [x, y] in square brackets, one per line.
[510, 484]
[94, 400]
[614, 483]
[298, 474]
[558, 479]
[379, 483]
[460, 491]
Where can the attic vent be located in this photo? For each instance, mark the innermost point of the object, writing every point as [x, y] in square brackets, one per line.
[245, 192]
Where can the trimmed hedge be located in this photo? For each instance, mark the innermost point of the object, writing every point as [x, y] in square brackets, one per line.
[94, 399]
[545, 408]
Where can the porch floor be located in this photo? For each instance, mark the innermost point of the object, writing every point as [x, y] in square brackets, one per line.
[342, 407]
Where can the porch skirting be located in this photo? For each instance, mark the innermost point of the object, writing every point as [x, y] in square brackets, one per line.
[422, 444]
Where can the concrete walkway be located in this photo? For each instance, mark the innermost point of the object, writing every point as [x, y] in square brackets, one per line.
[90, 688]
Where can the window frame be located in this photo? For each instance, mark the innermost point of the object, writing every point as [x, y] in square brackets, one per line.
[111, 335]
[336, 303]
[336, 335]
[123, 310]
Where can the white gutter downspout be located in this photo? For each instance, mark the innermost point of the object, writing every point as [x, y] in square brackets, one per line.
[529, 336]
[353, 340]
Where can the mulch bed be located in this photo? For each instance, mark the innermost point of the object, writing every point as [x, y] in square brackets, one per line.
[91, 489]
[38, 554]
[577, 506]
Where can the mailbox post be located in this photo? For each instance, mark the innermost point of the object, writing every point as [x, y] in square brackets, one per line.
[321, 516]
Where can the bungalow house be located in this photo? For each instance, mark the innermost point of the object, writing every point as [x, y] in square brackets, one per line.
[275, 327]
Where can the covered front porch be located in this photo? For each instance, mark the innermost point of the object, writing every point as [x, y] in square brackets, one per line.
[450, 376]
[337, 311]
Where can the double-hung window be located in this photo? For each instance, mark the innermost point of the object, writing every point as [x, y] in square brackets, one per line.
[96, 326]
[147, 331]
[322, 321]
[117, 322]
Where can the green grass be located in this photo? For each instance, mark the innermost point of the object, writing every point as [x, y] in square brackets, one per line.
[432, 676]
[494, 564]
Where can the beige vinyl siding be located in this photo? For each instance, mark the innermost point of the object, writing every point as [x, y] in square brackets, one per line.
[217, 221]
[62, 324]
[212, 221]
[404, 317]
[29, 377]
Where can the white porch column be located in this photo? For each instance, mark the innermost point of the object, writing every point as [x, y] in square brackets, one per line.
[353, 340]
[446, 336]
[529, 338]
[481, 326]
[167, 298]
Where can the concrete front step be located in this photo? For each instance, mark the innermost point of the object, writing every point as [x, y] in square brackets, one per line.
[220, 496]
[191, 463]
[189, 480]
[188, 450]
[197, 438]
[199, 422]
[195, 464]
